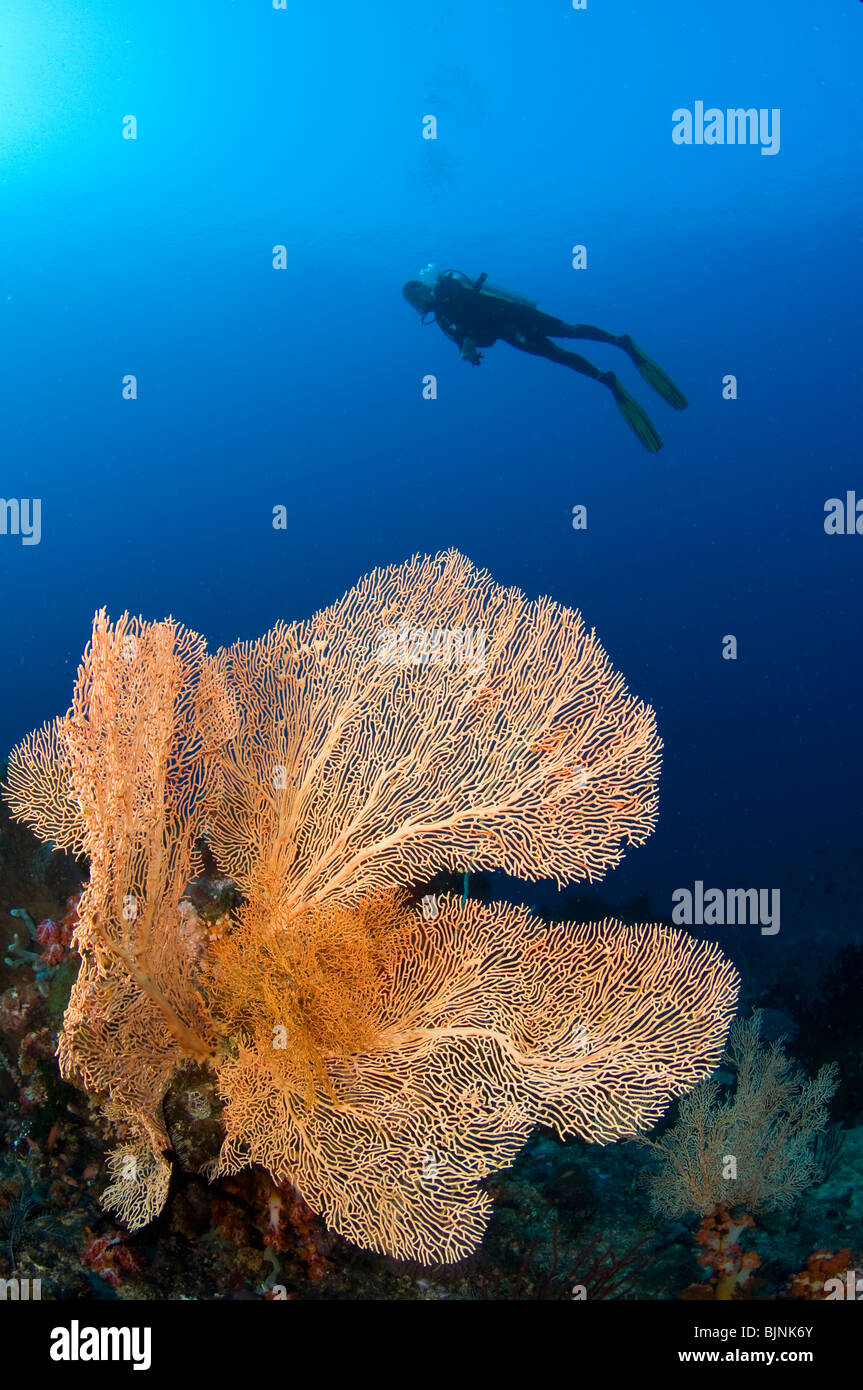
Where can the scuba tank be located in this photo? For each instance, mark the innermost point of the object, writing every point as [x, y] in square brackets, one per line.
[482, 286]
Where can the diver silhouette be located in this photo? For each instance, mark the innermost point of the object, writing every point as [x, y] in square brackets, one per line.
[475, 314]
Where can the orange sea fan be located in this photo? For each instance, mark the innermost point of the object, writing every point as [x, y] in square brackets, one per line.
[522, 751]
[126, 778]
[487, 1023]
[309, 991]
[430, 719]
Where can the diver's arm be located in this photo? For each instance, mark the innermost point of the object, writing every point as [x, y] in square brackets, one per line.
[466, 346]
[449, 328]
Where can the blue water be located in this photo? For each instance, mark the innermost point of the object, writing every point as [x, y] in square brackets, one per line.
[302, 387]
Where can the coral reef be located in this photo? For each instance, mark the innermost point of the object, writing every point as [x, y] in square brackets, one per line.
[823, 1268]
[563, 1209]
[382, 1060]
[730, 1268]
[755, 1148]
[728, 1156]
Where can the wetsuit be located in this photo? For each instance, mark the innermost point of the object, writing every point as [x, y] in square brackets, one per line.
[466, 315]
[473, 319]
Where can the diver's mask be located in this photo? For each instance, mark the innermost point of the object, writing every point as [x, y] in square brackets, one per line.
[420, 296]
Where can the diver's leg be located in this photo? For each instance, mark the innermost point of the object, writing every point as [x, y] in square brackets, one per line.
[650, 370]
[629, 408]
[557, 328]
[544, 347]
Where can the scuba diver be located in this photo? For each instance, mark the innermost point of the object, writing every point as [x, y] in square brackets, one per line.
[475, 314]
